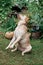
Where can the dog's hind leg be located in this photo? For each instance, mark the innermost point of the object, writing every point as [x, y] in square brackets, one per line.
[16, 47]
[28, 49]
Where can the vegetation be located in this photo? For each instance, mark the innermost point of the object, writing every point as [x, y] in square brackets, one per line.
[35, 11]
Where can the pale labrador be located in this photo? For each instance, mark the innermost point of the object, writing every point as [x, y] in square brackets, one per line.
[21, 38]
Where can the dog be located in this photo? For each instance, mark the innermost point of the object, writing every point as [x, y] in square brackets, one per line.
[21, 37]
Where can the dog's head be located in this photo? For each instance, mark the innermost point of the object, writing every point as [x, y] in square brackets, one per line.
[23, 19]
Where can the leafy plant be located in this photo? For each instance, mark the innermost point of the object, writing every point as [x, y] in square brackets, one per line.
[35, 11]
[10, 24]
[35, 15]
[4, 9]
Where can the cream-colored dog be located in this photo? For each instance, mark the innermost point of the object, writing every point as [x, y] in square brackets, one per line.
[21, 37]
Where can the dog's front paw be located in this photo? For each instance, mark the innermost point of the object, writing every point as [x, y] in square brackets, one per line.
[11, 47]
[6, 47]
[22, 54]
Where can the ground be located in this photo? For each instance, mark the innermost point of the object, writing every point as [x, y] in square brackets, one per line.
[15, 58]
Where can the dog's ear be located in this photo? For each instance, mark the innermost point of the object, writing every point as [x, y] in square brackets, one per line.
[26, 19]
[19, 16]
[29, 34]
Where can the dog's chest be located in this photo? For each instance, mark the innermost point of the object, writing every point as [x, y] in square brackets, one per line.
[20, 30]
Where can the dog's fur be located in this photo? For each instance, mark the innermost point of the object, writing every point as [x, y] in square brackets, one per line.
[21, 37]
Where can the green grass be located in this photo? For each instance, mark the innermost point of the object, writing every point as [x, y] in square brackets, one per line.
[15, 58]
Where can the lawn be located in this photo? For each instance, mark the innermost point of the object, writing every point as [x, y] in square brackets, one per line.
[15, 58]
